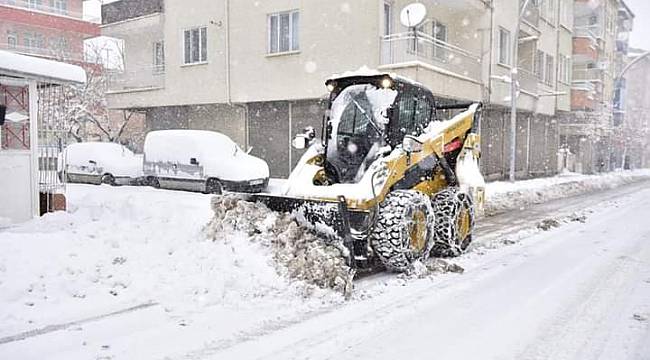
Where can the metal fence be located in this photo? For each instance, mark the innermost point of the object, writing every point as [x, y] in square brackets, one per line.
[53, 137]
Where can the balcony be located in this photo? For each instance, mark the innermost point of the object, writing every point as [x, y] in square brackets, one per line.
[61, 55]
[531, 15]
[592, 32]
[136, 78]
[590, 75]
[527, 81]
[44, 8]
[443, 57]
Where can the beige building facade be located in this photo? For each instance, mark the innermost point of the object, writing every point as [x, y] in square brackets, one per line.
[588, 134]
[255, 70]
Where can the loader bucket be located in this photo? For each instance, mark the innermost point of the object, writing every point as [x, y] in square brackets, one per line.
[328, 218]
[315, 213]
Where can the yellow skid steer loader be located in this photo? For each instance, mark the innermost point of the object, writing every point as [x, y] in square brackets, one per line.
[389, 178]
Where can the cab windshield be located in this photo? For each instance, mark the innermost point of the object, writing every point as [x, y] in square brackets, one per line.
[358, 123]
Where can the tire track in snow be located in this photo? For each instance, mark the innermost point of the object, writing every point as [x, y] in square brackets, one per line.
[58, 327]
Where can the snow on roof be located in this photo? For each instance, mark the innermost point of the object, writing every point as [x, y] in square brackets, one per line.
[31, 67]
[366, 71]
[362, 71]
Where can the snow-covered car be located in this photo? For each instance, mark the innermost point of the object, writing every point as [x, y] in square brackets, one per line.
[101, 162]
[199, 160]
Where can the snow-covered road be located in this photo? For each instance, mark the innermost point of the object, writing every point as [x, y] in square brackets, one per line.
[578, 291]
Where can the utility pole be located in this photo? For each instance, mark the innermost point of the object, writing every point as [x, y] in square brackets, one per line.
[513, 91]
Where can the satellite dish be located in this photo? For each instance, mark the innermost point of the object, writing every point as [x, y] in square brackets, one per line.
[413, 15]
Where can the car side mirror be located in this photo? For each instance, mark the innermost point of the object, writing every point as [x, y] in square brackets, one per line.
[92, 162]
[3, 113]
[193, 161]
[304, 139]
[411, 144]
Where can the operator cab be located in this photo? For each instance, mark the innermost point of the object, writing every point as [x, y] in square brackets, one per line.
[367, 114]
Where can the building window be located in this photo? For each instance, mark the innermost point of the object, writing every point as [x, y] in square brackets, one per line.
[439, 32]
[539, 65]
[34, 4]
[12, 39]
[158, 57]
[550, 11]
[284, 32]
[33, 41]
[60, 6]
[564, 64]
[195, 47]
[550, 68]
[566, 13]
[388, 16]
[504, 46]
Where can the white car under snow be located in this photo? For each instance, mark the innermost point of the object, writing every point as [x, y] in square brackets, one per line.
[101, 162]
[199, 160]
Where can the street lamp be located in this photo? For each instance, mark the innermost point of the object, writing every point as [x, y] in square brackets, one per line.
[513, 91]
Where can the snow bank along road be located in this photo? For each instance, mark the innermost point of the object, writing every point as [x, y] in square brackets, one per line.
[127, 276]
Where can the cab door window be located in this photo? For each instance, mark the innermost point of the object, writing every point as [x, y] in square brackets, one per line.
[415, 112]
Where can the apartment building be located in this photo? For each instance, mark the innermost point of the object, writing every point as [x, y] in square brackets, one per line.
[587, 132]
[256, 70]
[635, 129]
[544, 46]
[44, 28]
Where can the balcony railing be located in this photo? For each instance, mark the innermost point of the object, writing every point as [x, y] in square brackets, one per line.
[531, 15]
[593, 32]
[405, 47]
[137, 78]
[62, 55]
[588, 74]
[43, 7]
[527, 81]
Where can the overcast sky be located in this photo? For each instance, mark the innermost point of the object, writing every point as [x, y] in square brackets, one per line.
[640, 37]
[641, 34]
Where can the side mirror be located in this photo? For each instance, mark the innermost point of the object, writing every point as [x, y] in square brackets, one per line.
[193, 161]
[411, 144]
[301, 141]
[3, 113]
[92, 162]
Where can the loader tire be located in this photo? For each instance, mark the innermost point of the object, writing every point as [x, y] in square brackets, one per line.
[403, 229]
[454, 222]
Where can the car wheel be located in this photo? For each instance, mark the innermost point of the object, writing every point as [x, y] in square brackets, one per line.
[153, 182]
[108, 179]
[213, 186]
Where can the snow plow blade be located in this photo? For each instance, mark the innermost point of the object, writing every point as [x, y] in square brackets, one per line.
[328, 218]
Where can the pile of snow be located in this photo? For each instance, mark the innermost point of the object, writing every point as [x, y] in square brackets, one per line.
[127, 246]
[298, 253]
[501, 196]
